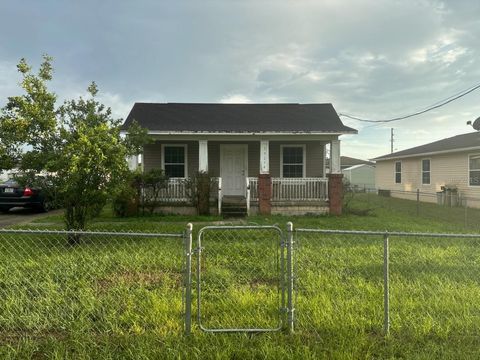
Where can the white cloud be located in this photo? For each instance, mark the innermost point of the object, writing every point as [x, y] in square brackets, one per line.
[235, 99]
[444, 49]
[375, 59]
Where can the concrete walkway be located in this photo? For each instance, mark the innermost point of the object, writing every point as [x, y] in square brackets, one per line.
[18, 216]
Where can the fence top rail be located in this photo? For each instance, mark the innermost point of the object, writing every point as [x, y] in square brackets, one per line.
[388, 233]
[93, 233]
[240, 227]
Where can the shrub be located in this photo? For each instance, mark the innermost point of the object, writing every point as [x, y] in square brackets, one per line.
[199, 187]
[125, 202]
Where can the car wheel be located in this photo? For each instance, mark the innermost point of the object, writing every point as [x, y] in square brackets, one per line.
[4, 210]
[44, 206]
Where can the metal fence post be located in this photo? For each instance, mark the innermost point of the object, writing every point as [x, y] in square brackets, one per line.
[418, 202]
[290, 308]
[386, 295]
[188, 279]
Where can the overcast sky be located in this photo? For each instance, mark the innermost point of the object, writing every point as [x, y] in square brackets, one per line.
[371, 58]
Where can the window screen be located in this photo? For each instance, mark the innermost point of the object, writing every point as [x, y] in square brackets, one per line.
[425, 172]
[292, 162]
[474, 166]
[398, 172]
[174, 161]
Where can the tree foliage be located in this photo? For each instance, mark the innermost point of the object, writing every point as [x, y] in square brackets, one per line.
[28, 135]
[79, 143]
[199, 187]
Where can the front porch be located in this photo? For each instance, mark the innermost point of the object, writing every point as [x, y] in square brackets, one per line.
[288, 196]
[291, 173]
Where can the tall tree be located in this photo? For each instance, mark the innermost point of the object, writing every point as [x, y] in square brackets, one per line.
[93, 157]
[28, 135]
[80, 143]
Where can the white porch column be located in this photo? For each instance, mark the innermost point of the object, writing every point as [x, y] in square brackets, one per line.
[203, 155]
[264, 157]
[132, 162]
[335, 157]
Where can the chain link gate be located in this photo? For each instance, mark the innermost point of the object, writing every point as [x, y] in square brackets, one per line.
[241, 279]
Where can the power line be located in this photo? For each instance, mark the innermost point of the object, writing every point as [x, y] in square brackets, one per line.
[430, 108]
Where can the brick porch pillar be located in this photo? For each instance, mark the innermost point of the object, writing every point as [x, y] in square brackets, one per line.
[264, 194]
[335, 192]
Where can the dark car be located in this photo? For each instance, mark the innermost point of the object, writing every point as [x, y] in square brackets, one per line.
[13, 195]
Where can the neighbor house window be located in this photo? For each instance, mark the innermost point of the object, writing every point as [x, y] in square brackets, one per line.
[174, 160]
[426, 172]
[474, 170]
[398, 172]
[293, 161]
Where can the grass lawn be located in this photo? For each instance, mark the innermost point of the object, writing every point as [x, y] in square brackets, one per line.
[121, 297]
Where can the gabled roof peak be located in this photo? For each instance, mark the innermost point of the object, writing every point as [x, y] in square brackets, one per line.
[238, 118]
[451, 144]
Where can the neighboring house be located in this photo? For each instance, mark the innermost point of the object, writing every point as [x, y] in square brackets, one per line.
[346, 162]
[268, 157]
[360, 176]
[453, 163]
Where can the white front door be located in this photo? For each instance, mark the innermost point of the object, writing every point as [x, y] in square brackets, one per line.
[233, 169]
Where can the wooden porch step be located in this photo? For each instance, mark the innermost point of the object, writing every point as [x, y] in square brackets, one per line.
[234, 206]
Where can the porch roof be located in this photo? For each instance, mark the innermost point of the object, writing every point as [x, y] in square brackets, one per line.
[238, 118]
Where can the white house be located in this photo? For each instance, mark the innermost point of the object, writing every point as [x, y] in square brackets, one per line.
[360, 176]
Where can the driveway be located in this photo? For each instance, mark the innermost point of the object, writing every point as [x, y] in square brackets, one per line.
[18, 216]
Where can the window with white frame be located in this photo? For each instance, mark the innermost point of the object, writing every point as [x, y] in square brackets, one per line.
[175, 160]
[426, 172]
[293, 161]
[474, 170]
[398, 172]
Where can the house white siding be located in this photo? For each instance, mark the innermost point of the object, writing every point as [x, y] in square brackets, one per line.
[445, 169]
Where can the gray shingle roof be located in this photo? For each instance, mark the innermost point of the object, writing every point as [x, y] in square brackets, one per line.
[347, 161]
[454, 143]
[237, 118]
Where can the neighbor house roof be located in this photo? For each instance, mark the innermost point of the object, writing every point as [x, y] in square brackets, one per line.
[358, 166]
[347, 161]
[237, 118]
[464, 142]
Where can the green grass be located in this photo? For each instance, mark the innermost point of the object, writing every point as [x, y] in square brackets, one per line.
[120, 297]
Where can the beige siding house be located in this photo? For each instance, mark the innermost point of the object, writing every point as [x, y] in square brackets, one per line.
[452, 163]
[265, 157]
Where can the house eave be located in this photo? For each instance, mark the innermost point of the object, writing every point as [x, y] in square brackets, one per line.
[472, 148]
[247, 133]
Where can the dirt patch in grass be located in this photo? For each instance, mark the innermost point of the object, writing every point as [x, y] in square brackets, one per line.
[147, 279]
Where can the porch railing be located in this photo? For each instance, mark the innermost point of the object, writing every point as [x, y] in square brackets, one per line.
[293, 189]
[253, 185]
[301, 189]
[176, 191]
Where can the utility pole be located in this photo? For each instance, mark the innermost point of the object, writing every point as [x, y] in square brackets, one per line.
[391, 140]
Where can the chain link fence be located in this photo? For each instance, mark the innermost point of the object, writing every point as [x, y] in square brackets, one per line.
[449, 206]
[238, 278]
[338, 283]
[409, 284]
[67, 284]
